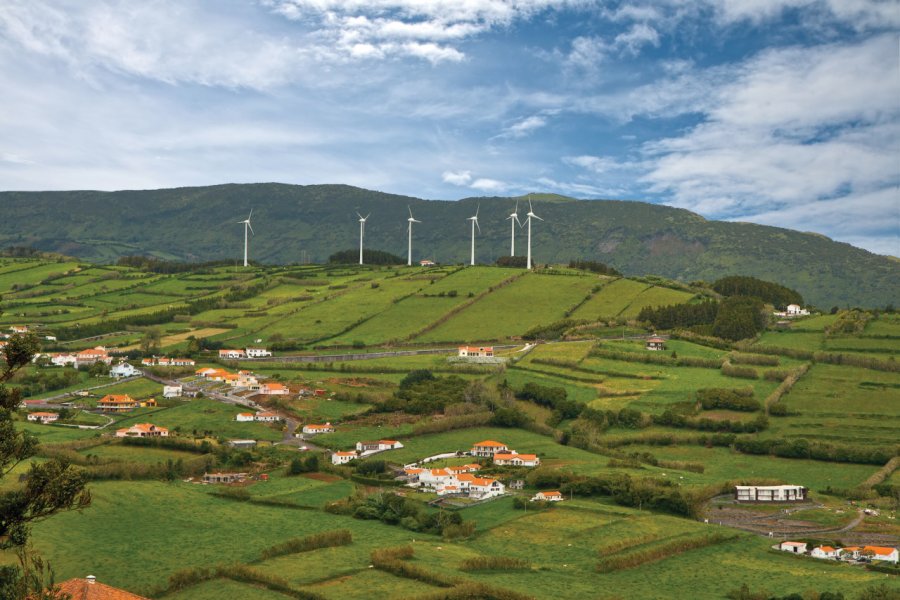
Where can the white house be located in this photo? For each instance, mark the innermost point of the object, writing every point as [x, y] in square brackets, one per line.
[488, 448]
[266, 417]
[244, 417]
[514, 459]
[476, 351]
[485, 488]
[769, 493]
[795, 547]
[63, 359]
[795, 310]
[880, 553]
[426, 263]
[43, 417]
[274, 389]
[257, 353]
[172, 391]
[342, 458]
[123, 370]
[231, 354]
[93, 355]
[314, 429]
[379, 446]
[824, 552]
[143, 430]
[553, 496]
[19, 328]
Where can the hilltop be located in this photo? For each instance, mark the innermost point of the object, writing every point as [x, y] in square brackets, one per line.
[308, 223]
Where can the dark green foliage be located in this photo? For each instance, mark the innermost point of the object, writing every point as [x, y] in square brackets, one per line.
[326, 539]
[309, 464]
[593, 266]
[803, 448]
[739, 317]
[770, 293]
[680, 315]
[494, 563]
[553, 331]
[393, 509]
[415, 377]
[516, 262]
[372, 467]
[156, 265]
[551, 397]
[727, 398]
[370, 257]
[427, 395]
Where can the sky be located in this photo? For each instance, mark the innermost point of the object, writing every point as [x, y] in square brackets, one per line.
[778, 112]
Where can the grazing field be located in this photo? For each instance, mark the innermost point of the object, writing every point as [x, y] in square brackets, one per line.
[611, 300]
[204, 415]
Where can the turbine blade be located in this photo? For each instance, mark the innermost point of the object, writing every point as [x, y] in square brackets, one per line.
[367, 216]
[477, 225]
[409, 208]
[536, 217]
[251, 227]
[360, 216]
[519, 222]
[250, 215]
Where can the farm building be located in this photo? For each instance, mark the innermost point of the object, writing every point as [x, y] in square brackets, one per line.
[515, 459]
[172, 391]
[770, 493]
[117, 403]
[257, 353]
[426, 263]
[485, 488]
[795, 547]
[488, 448]
[123, 370]
[232, 354]
[162, 361]
[379, 446]
[43, 417]
[342, 458]
[313, 428]
[880, 553]
[476, 351]
[266, 416]
[224, 477]
[244, 417]
[18, 328]
[553, 496]
[242, 443]
[824, 552]
[655, 343]
[89, 589]
[143, 430]
[63, 359]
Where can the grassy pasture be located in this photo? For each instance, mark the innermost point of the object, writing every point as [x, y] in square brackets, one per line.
[513, 309]
[845, 390]
[216, 589]
[611, 300]
[203, 414]
[136, 454]
[470, 279]
[33, 274]
[54, 434]
[400, 320]
[655, 296]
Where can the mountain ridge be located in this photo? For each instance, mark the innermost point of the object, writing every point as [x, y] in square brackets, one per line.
[295, 223]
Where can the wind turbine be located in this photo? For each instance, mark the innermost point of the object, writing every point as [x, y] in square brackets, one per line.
[531, 215]
[362, 232]
[513, 218]
[474, 225]
[411, 220]
[247, 226]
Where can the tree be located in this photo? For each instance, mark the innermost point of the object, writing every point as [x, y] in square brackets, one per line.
[150, 341]
[49, 487]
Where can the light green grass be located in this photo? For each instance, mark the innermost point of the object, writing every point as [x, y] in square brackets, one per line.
[611, 300]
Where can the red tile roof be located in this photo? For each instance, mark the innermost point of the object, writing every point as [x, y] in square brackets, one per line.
[82, 589]
[490, 443]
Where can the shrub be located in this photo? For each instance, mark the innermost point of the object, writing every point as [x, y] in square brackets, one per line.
[326, 539]
[494, 563]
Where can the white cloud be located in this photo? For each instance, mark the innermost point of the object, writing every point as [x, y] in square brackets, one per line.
[488, 185]
[597, 164]
[457, 177]
[524, 127]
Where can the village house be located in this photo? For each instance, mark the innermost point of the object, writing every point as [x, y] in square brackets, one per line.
[18, 329]
[412, 474]
[379, 446]
[488, 448]
[880, 553]
[123, 370]
[476, 352]
[314, 429]
[245, 379]
[266, 417]
[655, 343]
[142, 430]
[43, 417]
[89, 589]
[770, 493]
[426, 263]
[63, 359]
[172, 391]
[224, 477]
[342, 458]
[470, 468]
[162, 361]
[515, 459]
[242, 444]
[795, 310]
[826, 552]
[274, 389]
[117, 403]
[93, 355]
[257, 353]
[554, 496]
[244, 417]
[795, 547]
[485, 488]
[232, 354]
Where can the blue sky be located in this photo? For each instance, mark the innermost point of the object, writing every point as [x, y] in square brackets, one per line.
[780, 112]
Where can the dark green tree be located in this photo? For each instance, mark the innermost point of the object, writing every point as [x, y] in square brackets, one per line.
[49, 487]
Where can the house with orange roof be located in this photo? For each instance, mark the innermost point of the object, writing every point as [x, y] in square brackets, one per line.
[232, 354]
[342, 458]
[485, 488]
[412, 474]
[274, 389]
[882, 553]
[91, 356]
[143, 430]
[514, 459]
[464, 469]
[449, 489]
[488, 448]
[552, 496]
[244, 417]
[90, 589]
[314, 429]
[266, 416]
[63, 359]
[655, 343]
[205, 371]
[43, 417]
[795, 547]
[475, 352]
[826, 552]
[377, 446]
[18, 328]
[117, 403]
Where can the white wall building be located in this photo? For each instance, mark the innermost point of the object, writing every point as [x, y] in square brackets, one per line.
[342, 458]
[123, 370]
[257, 353]
[769, 493]
[172, 391]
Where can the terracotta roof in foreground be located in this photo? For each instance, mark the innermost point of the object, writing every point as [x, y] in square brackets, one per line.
[81, 589]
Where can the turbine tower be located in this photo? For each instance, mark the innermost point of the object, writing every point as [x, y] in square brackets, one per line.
[513, 218]
[246, 223]
[531, 215]
[411, 220]
[474, 225]
[362, 232]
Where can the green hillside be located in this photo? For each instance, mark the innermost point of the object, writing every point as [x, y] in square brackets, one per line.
[308, 223]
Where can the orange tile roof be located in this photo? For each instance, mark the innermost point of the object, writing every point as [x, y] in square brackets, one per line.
[793, 543]
[491, 443]
[553, 493]
[482, 482]
[413, 471]
[504, 455]
[527, 456]
[387, 441]
[117, 399]
[466, 477]
[826, 549]
[473, 466]
[881, 550]
[350, 453]
[81, 589]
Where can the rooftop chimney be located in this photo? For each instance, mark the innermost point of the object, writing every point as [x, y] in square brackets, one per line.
[91, 579]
